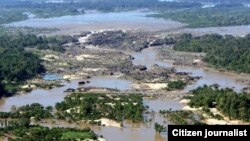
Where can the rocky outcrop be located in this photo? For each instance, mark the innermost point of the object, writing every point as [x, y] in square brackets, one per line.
[164, 41]
[119, 40]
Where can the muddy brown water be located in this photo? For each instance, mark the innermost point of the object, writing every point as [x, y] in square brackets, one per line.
[123, 20]
[148, 57]
[130, 20]
[131, 131]
[52, 96]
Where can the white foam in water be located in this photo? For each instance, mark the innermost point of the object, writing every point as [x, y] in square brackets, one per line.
[208, 5]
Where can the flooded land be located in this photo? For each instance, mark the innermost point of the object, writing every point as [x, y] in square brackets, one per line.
[119, 53]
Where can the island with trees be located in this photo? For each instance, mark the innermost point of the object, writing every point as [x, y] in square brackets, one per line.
[94, 106]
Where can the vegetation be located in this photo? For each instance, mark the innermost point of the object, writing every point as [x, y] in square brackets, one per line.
[47, 12]
[210, 17]
[32, 41]
[17, 64]
[232, 53]
[103, 5]
[182, 117]
[212, 115]
[176, 85]
[230, 103]
[2, 91]
[14, 10]
[21, 130]
[160, 128]
[11, 15]
[93, 106]
[35, 110]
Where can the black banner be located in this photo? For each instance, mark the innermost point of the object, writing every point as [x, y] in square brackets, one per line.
[208, 132]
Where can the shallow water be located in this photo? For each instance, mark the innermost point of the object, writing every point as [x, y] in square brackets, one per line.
[135, 20]
[110, 82]
[51, 77]
[208, 5]
[148, 57]
[131, 131]
[50, 97]
[131, 20]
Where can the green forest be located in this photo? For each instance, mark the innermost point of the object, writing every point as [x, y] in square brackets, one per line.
[17, 64]
[93, 106]
[229, 52]
[21, 41]
[209, 17]
[21, 130]
[232, 104]
[35, 110]
[11, 15]
[181, 117]
[176, 85]
[11, 11]
[102, 5]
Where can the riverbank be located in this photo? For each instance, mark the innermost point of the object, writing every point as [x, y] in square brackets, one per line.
[119, 62]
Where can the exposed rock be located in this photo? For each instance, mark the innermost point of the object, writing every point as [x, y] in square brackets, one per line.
[83, 34]
[181, 73]
[119, 40]
[164, 41]
[82, 83]
[69, 90]
[141, 67]
[246, 89]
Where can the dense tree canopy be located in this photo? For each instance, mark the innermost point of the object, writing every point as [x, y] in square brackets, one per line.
[230, 103]
[105, 5]
[18, 65]
[92, 106]
[229, 52]
[221, 15]
[30, 40]
[35, 110]
[176, 85]
[1, 88]
[21, 130]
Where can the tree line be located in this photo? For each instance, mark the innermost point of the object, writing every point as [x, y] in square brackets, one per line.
[102, 5]
[22, 130]
[35, 110]
[93, 106]
[229, 52]
[232, 104]
[220, 15]
[17, 64]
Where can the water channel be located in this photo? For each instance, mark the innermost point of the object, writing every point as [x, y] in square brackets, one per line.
[148, 57]
[138, 132]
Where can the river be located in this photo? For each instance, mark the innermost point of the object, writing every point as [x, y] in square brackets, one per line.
[148, 57]
[130, 20]
[138, 132]
[94, 20]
